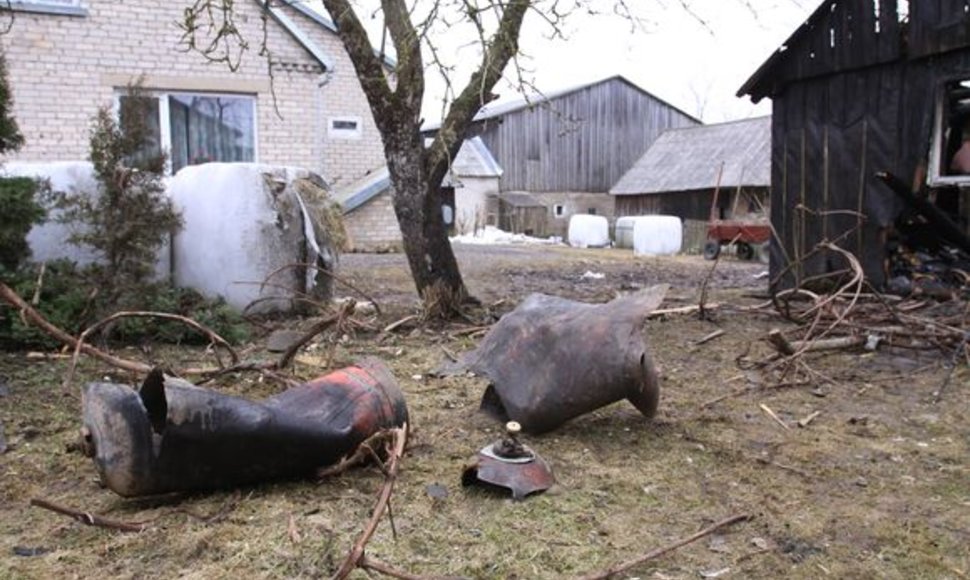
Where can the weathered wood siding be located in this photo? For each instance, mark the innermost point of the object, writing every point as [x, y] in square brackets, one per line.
[688, 205]
[581, 141]
[833, 130]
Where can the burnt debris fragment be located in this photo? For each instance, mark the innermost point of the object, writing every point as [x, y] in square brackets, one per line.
[172, 436]
[508, 463]
[553, 359]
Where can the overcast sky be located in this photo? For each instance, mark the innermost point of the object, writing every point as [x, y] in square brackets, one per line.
[695, 61]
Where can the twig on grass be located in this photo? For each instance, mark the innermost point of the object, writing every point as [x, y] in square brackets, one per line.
[90, 519]
[35, 318]
[397, 324]
[716, 334]
[653, 555]
[772, 414]
[356, 553]
[209, 333]
[325, 272]
[954, 363]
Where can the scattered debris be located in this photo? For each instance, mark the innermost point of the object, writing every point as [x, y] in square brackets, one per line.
[26, 552]
[716, 334]
[436, 491]
[172, 435]
[553, 359]
[772, 414]
[510, 464]
[282, 340]
[653, 555]
[804, 422]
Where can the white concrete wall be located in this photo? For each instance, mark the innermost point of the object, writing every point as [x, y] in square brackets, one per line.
[471, 202]
[49, 240]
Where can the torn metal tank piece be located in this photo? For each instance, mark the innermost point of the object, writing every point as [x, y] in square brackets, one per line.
[510, 464]
[172, 436]
[552, 359]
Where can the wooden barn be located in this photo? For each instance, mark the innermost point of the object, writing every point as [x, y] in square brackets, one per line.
[680, 172]
[567, 148]
[521, 213]
[863, 87]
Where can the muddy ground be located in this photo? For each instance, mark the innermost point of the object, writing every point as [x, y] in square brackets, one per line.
[877, 486]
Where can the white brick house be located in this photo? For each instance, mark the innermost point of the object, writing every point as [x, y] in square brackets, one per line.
[66, 58]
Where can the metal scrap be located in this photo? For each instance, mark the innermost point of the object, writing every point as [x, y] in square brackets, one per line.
[552, 359]
[171, 435]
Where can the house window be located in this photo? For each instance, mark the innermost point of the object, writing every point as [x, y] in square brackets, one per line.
[66, 7]
[591, 211]
[950, 149]
[559, 210]
[198, 128]
[344, 127]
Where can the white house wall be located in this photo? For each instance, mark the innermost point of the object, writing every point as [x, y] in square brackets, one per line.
[62, 68]
[471, 202]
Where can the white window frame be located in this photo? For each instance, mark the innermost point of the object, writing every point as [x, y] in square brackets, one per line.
[935, 176]
[63, 7]
[165, 122]
[341, 133]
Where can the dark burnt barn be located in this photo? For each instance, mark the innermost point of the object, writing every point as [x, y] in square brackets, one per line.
[863, 87]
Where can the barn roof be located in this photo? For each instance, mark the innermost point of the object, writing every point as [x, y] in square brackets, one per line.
[501, 108]
[689, 159]
[473, 160]
[841, 35]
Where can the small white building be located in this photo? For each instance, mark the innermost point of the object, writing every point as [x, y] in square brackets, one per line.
[467, 194]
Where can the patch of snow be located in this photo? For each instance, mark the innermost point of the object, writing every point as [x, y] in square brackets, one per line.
[493, 235]
[588, 275]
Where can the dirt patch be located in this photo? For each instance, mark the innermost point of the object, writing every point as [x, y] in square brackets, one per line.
[875, 486]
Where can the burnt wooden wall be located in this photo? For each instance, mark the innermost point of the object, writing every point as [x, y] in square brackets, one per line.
[583, 141]
[834, 128]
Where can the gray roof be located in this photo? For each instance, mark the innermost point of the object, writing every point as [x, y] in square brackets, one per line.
[320, 19]
[690, 158]
[500, 108]
[473, 160]
[363, 190]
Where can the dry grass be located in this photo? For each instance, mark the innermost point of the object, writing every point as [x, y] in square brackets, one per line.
[876, 486]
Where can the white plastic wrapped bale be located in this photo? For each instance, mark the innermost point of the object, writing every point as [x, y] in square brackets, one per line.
[657, 235]
[49, 240]
[623, 232]
[242, 222]
[589, 231]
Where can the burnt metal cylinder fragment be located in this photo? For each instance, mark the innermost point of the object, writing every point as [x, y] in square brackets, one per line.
[553, 359]
[171, 435]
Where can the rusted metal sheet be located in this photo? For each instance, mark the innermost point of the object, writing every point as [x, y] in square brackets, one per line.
[552, 359]
[509, 464]
[171, 435]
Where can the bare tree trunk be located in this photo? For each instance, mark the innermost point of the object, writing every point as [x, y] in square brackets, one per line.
[417, 204]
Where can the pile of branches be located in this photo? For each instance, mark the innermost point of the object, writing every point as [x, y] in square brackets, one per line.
[856, 316]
